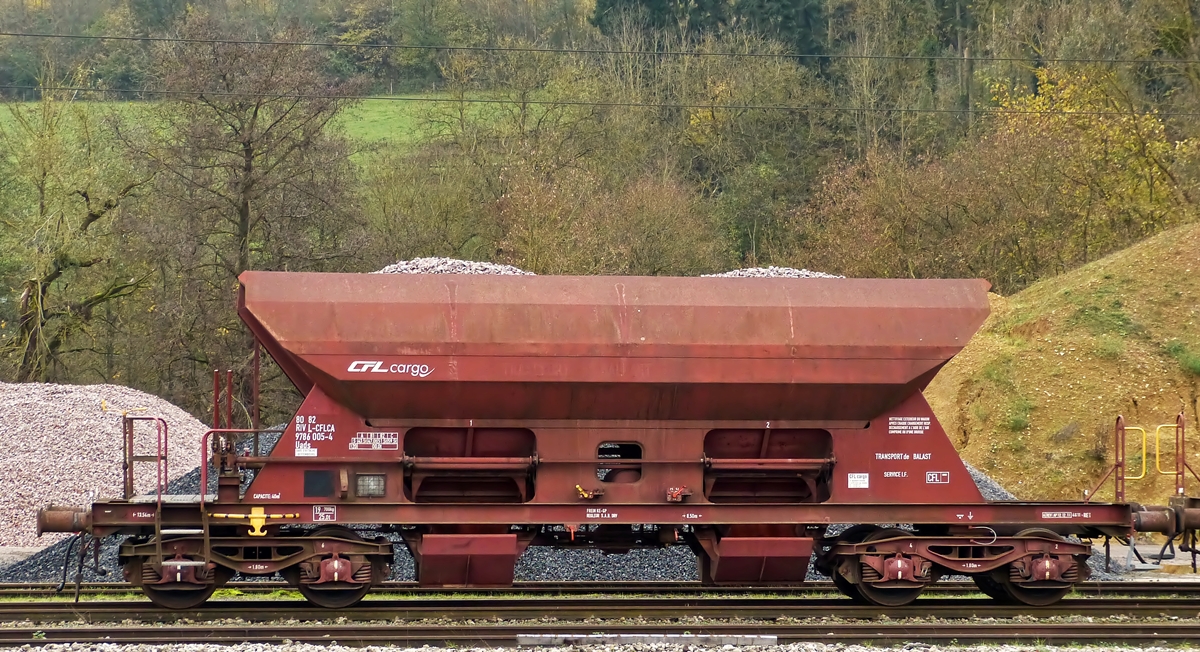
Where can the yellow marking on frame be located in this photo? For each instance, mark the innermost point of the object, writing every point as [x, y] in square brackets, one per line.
[257, 517]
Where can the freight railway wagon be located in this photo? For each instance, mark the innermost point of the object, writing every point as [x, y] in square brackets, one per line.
[475, 416]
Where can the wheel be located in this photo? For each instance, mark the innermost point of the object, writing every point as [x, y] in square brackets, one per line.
[339, 596]
[889, 594]
[331, 595]
[852, 534]
[179, 598]
[847, 589]
[1035, 595]
[991, 588]
[186, 598]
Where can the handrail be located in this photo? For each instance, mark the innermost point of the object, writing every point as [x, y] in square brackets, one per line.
[469, 463]
[767, 463]
[1117, 470]
[1158, 445]
[204, 450]
[1144, 436]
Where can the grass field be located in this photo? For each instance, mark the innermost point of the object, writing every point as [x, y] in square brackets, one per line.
[385, 121]
[371, 122]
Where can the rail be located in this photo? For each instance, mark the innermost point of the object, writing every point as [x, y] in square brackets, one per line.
[391, 622]
[591, 607]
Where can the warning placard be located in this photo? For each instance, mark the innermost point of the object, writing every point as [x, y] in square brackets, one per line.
[858, 480]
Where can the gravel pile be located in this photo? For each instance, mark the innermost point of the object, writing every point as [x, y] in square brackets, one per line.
[770, 272]
[46, 566]
[673, 564]
[63, 446]
[990, 489]
[450, 266]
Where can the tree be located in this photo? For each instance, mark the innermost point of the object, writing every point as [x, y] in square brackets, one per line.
[154, 15]
[250, 176]
[67, 186]
[796, 23]
[1061, 177]
[654, 14]
[686, 17]
[245, 126]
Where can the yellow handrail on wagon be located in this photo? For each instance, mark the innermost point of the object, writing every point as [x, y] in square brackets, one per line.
[1143, 473]
[1157, 444]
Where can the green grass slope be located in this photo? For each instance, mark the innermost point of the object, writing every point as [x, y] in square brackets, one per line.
[1033, 398]
[368, 123]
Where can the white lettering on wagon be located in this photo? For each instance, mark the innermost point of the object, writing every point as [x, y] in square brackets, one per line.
[599, 512]
[324, 513]
[904, 456]
[375, 441]
[266, 496]
[907, 425]
[308, 432]
[1065, 515]
[378, 367]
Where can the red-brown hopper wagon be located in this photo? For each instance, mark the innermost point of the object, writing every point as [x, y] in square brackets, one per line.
[478, 415]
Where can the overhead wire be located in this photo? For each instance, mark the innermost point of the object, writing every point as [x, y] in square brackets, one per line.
[595, 103]
[601, 51]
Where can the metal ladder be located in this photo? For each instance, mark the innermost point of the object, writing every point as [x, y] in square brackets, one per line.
[162, 477]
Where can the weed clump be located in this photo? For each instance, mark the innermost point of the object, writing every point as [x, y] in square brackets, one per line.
[1187, 358]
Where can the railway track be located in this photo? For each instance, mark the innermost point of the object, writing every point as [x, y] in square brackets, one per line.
[1143, 588]
[509, 635]
[608, 608]
[422, 617]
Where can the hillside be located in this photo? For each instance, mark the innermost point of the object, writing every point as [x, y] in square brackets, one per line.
[1033, 398]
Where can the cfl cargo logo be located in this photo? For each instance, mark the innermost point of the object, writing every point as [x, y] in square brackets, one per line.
[377, 367]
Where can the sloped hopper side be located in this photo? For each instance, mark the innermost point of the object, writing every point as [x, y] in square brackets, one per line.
[556, 347]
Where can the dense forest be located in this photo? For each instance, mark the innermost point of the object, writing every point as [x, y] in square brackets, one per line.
[152, 150]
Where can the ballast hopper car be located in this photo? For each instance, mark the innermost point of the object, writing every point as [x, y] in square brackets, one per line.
[475, 416]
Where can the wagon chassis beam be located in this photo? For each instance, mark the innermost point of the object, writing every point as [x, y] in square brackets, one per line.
[309, 549]
[960, 555]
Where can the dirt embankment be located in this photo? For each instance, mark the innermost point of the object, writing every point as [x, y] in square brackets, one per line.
[1033, 398]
